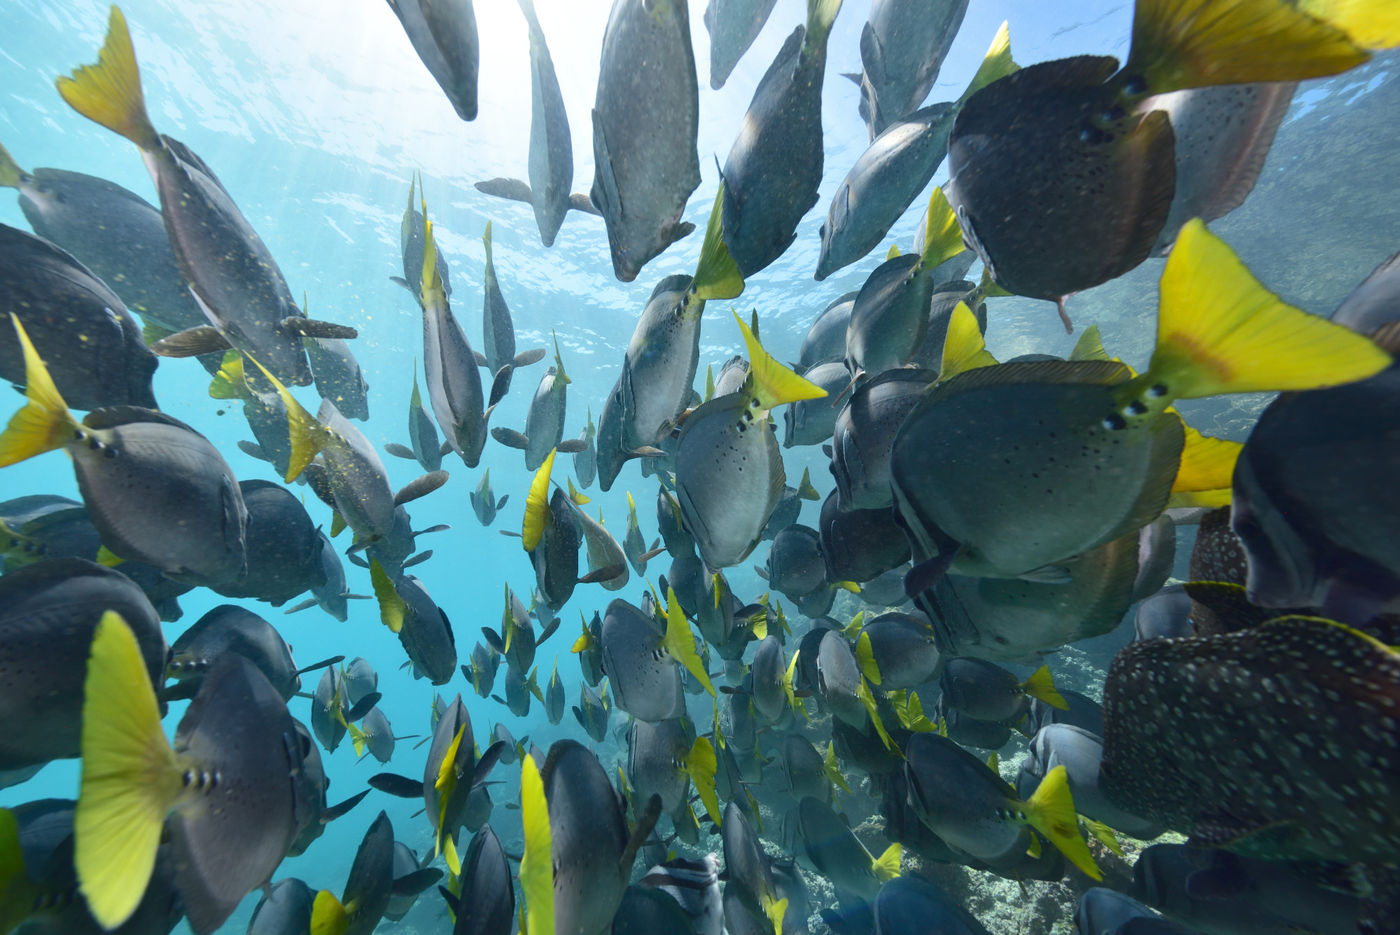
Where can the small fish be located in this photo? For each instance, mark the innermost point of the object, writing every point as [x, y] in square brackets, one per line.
[987, 692]
[810, 422]
[671, 526]
[586, 460]
[445, 38]
[838, 854]
[551, 537]
[1080, 752]
[809, 773]
[544, 423]
[481, 671]
[516, 640]
[367, 889]
[331, 711]
[860, 545]
[498, 331]
[769, 682]
[554, 696]
[897, 651]
[423, 628]
[484, 502]
[902, 47]
[864, 432]
[282, 544]
[662, 758]
[486, 904]
[796, 565]
[646, 119]
[228, 628]
[589, 649]
[157, 491]
[519, 688]
[633, 544]
[592, 714]
[411, 247]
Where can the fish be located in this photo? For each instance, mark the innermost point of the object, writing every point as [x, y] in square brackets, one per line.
[48, 613]
[645, 128]
[664, 759]
[974, 810]
[586, 459]
[898, 651]
[1371, 305]
[1103, 911]
[633, 545]
[789, 508]
[223, 788]
[729, 471]
[592, 713]
[367, 888]
[554, 696]
[900, 160]
[408, 878]
[825, 340]
[909, 904]
[733, 25]
[1037, 137]
[445, 38]
[518, 689]
[56, 298]
[484, 502]
[902, 47]
[157, 491]
[860, 545]
[422, 434]
[640, 662]
[605, 556]
[864, 434]
[1124, 435]
[423, 628]
[486, 905]
[1081, 752]
[796, 566]
[338, 376]
[516, 641]
[228, 628]
[1316, 545]
[481, 671]
[1251, 701]
[694, 885]
[411, 249]
[589, 649]
[775, 165]
[282, 544]
[331, 711]
[987, 692]
[113, 232]
[677, 542]
[575, 826]
[231, 274]
[544, 423]
[751, 881]
[660, 363]
[498, 331]
[840, 856]
[551, 538]
[811, 422]
[284, 909]
[374, 735]
[333, 597]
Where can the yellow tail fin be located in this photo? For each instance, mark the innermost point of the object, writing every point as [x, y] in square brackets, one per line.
[44, 422]
[1372, 24]
[1206, 463]
[997, 63]
[109, 92]
[357, 737]
[868, 700]
[1050, 810]
[963, 348]
[1103, 834]
[1041, 685]
[1220, 331]
[228, 382]
[392, 608]
[1193, 43]
[943, 238]
[10, 172]
[130, 776]
[305, 435]
[446, 783]
[537, 505]
[430, 290]
[328, 916]
[17, 893]
[775, 910]
[833, 769]
[773, 384]
[717, 276]
[892, 252]
[701, 766]
[1089, 346]
[536, 864]
[450, 855]
[578, 497]
[886, 866]
[865, 658]
[680, 643]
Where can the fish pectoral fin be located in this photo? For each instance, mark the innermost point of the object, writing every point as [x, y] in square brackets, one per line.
[925, 574]
[481, 360]
[1048, 574]
[314, 328]
[510, 189]
[578, 201]
[420, 487]
[192, 342]
[510, 438]
[526, 358]
[606, 573]
[572, 446]
[396, 785]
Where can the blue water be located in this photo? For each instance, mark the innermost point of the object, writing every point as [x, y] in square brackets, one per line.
[315, 114]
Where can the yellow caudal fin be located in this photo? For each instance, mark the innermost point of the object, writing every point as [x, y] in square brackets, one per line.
[789, 689]
[109, 92]
[865, 658]
[717, 276]
[559, 375]
[1089, 346]
[305, 435]
[868, 700]
[775, 910]
[17, 893]
[910, 711]
[1220, 331]
[772, 383]
[886, 866]
[44, 422]
[805, 490]
[701, 765]
[1050, 810]
[1041, 685]
[892, 252]
[1193, 43]
[1371, 24]
[963, 348]
[852, 629]
[449, 843]
[130, 776]
[430, 291]
[328, 916]
[107, 558]
[536, 863]
[943, 238]
[10, 172]
[820, 15]
[446, 783]
[1207, 464]
[228, 382]
[537, 505]
[994, 762]
[680, 643]
[833, 768]
[578, 497]
[357, 736]
[392, 608]
[996, 64]
[585, 639]
[1103, 834]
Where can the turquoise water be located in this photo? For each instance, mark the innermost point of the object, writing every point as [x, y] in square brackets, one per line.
[315, 115]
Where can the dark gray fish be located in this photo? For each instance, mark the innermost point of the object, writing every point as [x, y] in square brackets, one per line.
[113, 232]
[444, 36]
[969, 731]
[355, 475]
[750, 878]
[333, 595]
[1080, 752]
[839, 679]
[484, 502]
[864, 435]
[518, 690]
[1102, 911]
[481, 671]
[810, 421]
[860, 545]
[554, 696]
[767, 671]
[328, 709]
[589, 649]
[56, 298]
[826, 338]
[645, 680]
[789, 507]
[285, 909]
[338, 376]
[426, 634]
[796, 566]
[592, 850]
[1315, 543]
[1156, 556]
[909, 905]
[804, 768]
[498, 330]
[411, 247]
[516, 641]
[422, 434]
[694, 885]
[987, 692]
[608, 444]
[654, 754]
[1257, 778]
[671, 525]
[551, 149]
[643, 911]
[405, 864]
[887, 590]
[555, 558]
[605, 555]
[360, 680]
[645, 125]
[1083, 712]
[592, 713]
[839, 855]
[544, 422]
[659, 369]
[48, 611]
[586, 459]
[283, 547]
[231, 629]
[1165, 614]
[367, 889]
[890, 319]
[775, 165]
[733, 25]
[487, 903]
[902, 648]
[902, 47]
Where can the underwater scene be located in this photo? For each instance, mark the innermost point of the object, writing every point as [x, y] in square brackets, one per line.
[873, 467]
